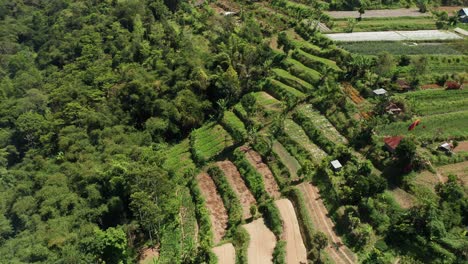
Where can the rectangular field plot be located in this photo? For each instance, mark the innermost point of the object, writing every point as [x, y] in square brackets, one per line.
[386, 24]
[287, 159]
[400, 48]
[293, 81]
[297, 134]
[431, 102]
[402, 12]
[301, 71]
[322, 123]
[268, 102]
[234, 125]
[394, 36]
[209, 141]
[179, 158]
[283, 91]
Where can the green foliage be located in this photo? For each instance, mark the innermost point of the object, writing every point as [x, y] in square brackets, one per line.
[209, 141]
[279, 254]
[301, 71]
[272, 218]
[314, 62]
[284, 92]
[253, 179]
[234, 126]
[240, 241]
[110, 245]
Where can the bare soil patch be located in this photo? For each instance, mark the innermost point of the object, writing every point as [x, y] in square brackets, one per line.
[462, 146]
[427, 179]
[319, 214]
[404, 199]
[148, 255]
[256, 160]
[460, 169]
[214, 203]
[402, 12]
[262, 242]
[431, 86]
[449, 9]
[295, 249]
[237, 183]
[225, 253]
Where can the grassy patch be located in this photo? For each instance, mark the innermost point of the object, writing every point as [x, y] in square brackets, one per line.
[209, 141]
[284, 92]
[313, 61]
[430, 102]
[301, 71]
[234, 125]
[178, 158]
[297, 134]
[287, 159]
[293, 81]
[268, 102]
[387, 24]
[401, 48]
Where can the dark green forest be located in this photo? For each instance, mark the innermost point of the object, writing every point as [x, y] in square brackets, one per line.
[89, 92]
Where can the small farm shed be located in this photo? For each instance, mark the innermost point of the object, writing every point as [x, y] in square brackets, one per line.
[463, 15]
[229, 13]
[380, 92]
[393, 109]
[391, 143]
[446, 147]
[336, 165]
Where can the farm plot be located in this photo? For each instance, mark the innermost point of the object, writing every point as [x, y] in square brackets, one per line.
[313, 61]
[404, 199]
[430, 102]
[301, 71]
[179, 158]
[214, 203]
[460, 169]
[322, 123]
[287, 159]
[400, 48]
[262, 242]
[387, 24]
[234, 125]
[291, 80]
[208, 141]
[235, 180]
[282, 91]
[319, 214]
[402, 12]
[297, 134]
[268, 102]
[394, 36]
[225, 253]
[295, 249]
[256, 161]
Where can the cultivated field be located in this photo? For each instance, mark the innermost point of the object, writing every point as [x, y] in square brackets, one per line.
[287, 159]
[401, 48]
[214, 203]
[322, 123]
[319, 214]
[209, 140]
[225, 253]
[178, 158]
[262, 242]
[430, 102]
[297, 134]
[460, 169]
[238, 185]
[394, 36]
[256, 161]
[268, 102]
[295, 249]
[404, 199]
[402, 12]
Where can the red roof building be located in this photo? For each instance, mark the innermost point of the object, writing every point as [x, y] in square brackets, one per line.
[391, 143]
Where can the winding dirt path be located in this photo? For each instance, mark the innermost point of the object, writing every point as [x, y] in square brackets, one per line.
[319, 213]
[237, 183]
[256, 160]
[262, 243]
[295, 250]
[225, 253]
[214, 203]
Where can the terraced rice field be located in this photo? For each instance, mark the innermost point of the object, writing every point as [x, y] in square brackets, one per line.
[287, 159]
[268, 102]
[297, 134]
[295, 248]
[262, 242]
[313, 61]
[225, 253]
[179, 158]
[322, 123]
[301, 71]
[291, 80]
[234, 125]
[214, 203]
[319, 215]
[256, 161]
[283, 91]
[238, 185]
[417, 35]
[209, 140]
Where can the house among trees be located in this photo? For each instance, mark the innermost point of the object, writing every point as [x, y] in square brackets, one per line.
[380, 92]
[336, 165]
[391, 143]
[393, 109]
[463, 15]
[446, 147]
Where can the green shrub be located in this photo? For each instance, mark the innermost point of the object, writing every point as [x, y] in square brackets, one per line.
[241, 240]
[272, 218]
[279, 254]
[234, 126]
[252, 178]
[314, 133]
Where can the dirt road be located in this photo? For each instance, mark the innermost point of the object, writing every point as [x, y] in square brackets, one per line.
[262, 243]
[225, 253]
[295, 250]
[214, 203]
[319, 214]
[238, 185]
[403, 12]
[256, 160]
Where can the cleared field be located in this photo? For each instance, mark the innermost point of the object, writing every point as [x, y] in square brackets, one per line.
[427, 179]
[460, 169]
[179, 158]
[394, 36]
[402, 12]
[237, 183]
[297, 134]
[225, 253]
[262, 242]
[209, 140]
[400, 48]
[214, 203]
[322, 123]
[295, 249]
[319, 214]
[256, 161]
[287, 159]
[404, 199]
[462, 146]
